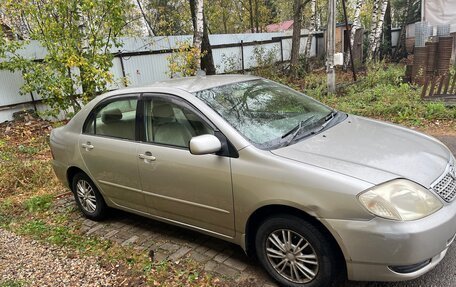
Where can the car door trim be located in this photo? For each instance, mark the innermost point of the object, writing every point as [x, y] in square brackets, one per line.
[166, 197]
[120, 186]
[189, 202]
[176, 222]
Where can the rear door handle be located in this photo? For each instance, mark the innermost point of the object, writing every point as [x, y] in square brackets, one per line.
[87, 146]
[147, 156]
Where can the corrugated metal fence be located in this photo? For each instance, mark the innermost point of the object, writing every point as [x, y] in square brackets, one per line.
[145, 60]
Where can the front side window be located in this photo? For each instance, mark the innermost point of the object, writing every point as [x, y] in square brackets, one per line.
[115, 119]
[264, 112]
[170, 123]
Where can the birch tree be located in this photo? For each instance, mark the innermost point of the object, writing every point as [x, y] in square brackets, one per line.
[296, 38]
[312, 28]
[355, 26]
[378, 16]
[198, 26]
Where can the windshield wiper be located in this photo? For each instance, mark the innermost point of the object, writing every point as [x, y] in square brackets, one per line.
[295, 131]
[328, 118]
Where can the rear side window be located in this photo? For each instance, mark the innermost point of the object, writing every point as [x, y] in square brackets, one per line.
[115, 119]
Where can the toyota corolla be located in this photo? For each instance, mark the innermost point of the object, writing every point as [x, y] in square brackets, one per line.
[309, 190]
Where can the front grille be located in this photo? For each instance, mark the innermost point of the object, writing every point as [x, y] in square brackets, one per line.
[446, 187]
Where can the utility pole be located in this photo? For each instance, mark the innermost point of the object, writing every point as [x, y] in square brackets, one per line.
[331, 46]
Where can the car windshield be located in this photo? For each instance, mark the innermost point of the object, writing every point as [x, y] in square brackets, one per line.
[266, 113]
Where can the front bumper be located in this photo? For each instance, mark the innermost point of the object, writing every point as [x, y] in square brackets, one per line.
[372, 247]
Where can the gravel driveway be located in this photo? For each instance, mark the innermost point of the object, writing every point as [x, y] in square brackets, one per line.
[37, 264]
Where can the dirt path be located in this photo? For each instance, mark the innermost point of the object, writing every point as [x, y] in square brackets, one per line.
[25, 262]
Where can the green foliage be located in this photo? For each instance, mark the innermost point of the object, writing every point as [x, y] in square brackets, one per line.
[35, 228]
[28, 149]
[380, 93]
[38, 203]
[12, 283]
[77, 36]
[184, 62]
[171, 17]
[266, 62]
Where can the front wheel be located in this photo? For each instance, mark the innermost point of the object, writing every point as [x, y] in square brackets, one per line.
[88, 198]
[295, 253]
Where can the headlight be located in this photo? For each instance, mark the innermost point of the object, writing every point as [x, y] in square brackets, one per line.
[401, 200]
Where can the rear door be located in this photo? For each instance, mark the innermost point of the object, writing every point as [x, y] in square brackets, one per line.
[108, 147]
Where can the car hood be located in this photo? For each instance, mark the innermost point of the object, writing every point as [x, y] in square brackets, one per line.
[372, 151]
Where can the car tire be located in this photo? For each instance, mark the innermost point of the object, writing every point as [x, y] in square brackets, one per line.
[88, 198]
[295, 253]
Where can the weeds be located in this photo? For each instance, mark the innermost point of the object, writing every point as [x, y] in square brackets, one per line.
[12, 283]
[38, 203]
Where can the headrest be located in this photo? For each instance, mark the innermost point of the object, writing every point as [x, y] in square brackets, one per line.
[163, 110]
[112, 115]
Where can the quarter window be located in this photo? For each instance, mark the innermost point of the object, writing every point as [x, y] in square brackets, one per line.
[115, 119]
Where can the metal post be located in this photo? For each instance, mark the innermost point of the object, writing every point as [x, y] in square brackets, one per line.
[281, 50]
[349, 41]
[331, 46]
[423, 4]
[242, 56]
[123, 69]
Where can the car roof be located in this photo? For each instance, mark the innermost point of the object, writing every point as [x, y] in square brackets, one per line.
[194, 84]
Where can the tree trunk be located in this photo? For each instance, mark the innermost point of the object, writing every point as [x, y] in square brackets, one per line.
[313, 24]
[296, 38]
[355, 26]
[196, 7]
[388, 51]
[377, 32]
[207, 61]
[401, 50]
[145, 21]
[224, 18]
[257, 20]
[252, 29]
[373, 29]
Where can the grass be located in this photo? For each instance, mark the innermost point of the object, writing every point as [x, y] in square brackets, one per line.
[12, 283]
[379, 93]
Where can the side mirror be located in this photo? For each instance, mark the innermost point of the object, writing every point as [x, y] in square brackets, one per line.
[204, 144]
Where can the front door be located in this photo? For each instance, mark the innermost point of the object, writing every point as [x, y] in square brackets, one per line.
[194, 190]
[109, 149]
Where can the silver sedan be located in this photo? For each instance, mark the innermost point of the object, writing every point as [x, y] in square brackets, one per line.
[312, 192]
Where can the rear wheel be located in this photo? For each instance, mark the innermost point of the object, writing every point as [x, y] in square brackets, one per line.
[88, 198]
[295, 253]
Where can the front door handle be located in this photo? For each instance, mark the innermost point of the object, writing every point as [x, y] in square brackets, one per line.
[147, 156]
[87, 146]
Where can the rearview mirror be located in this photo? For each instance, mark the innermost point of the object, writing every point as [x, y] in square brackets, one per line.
[204, 144]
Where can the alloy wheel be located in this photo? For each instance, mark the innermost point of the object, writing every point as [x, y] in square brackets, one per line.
[86, 196]
[292, 256]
